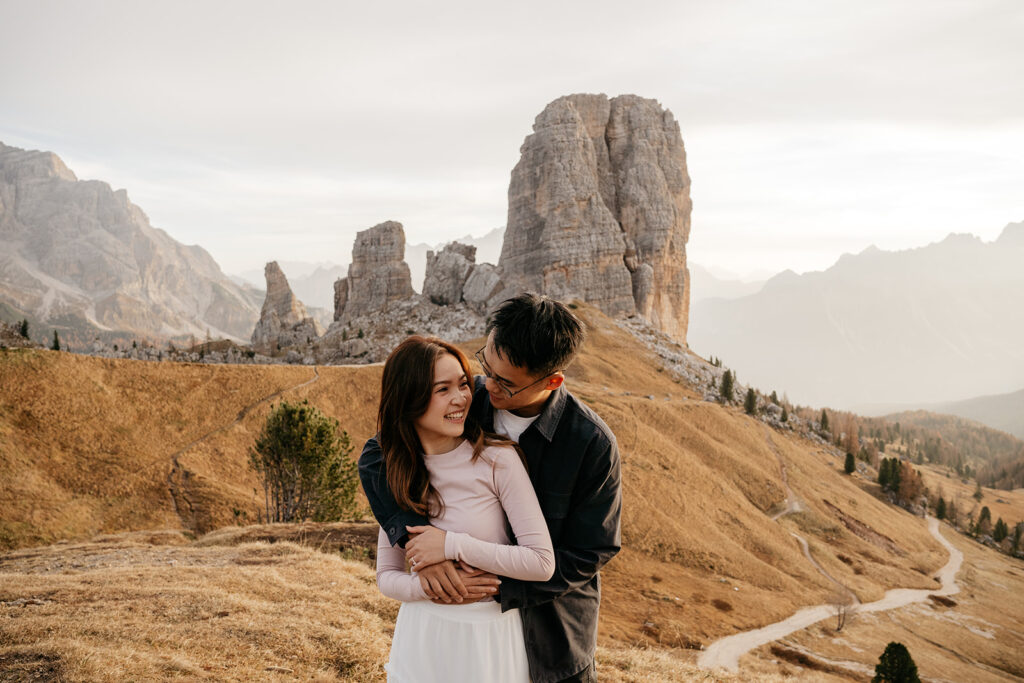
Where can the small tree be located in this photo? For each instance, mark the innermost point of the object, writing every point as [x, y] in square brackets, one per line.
[785, 414]
[977, 491]
[56, 342]
[940, 509]
[895, 666]
[1018, 530]
[842, 603]
[850, 465]
[23, 328]
[774, 397]
[750, 403]
[304, 465]
[1000, 531]
[824, 420]
[726, 387]
[884, 475]
[984, 525]
[910, 485]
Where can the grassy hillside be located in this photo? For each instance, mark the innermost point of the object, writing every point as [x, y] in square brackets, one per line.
[92, 445]
[95, 446]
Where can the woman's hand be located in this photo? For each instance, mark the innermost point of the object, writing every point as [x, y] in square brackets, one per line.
[425, 546]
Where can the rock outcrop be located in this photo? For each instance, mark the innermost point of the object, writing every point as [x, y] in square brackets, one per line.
[378, 274]
[447, 272]
[80, 253]
[283, 321]
[599, 209]
[376, 307]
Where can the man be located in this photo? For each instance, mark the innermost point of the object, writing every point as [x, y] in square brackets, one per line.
[573, 461]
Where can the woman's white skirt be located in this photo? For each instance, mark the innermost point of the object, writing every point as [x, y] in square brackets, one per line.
[457, 643]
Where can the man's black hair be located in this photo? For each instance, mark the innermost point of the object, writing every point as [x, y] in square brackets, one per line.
[536, 333]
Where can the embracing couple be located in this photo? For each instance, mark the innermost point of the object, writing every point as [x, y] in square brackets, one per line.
[502, 495]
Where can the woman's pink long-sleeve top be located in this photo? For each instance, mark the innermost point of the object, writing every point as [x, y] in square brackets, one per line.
[482, 500]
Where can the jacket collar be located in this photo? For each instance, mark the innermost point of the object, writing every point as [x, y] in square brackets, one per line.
[547, 421]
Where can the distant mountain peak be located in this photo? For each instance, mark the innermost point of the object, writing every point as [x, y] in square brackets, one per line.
[958, 238]
[31, 163]
[1012, 234]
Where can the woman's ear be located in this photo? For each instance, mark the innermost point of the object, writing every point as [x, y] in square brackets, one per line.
[555, 381]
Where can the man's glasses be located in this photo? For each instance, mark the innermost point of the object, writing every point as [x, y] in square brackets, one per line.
[479, 355]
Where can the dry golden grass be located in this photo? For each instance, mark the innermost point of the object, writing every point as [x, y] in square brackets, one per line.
[977, 638]
[120, 608]
[154, 606]
[96, 446]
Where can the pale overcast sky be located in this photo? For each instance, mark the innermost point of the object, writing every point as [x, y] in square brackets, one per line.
[273, 130]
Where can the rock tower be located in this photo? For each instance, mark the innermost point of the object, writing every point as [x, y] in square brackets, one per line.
[378, 274]
[283, 320]
[599, 209]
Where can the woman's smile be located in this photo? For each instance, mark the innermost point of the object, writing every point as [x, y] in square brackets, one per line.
[440, 426]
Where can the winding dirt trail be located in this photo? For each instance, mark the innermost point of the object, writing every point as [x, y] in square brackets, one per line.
[726, 652]
[793, 505]
[178, 476]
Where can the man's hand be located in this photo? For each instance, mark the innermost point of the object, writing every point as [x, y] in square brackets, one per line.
[477, 584]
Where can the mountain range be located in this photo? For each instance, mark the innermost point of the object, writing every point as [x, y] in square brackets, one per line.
[926, 325]
[80, 257]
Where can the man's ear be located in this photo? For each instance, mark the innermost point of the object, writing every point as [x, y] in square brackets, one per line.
[555, 381]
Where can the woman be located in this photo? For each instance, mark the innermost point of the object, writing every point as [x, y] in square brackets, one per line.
[473, 486]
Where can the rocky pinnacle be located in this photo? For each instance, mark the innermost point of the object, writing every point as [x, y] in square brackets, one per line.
[599, 209]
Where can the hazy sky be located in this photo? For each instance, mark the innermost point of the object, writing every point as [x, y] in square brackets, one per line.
[277, 130]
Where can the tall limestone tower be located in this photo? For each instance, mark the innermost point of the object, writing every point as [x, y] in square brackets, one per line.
[599, 209]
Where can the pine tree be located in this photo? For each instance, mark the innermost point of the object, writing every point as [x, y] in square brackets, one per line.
[984, 524]
[1000, 531]
[750, 403]
[896, 666]
[1018, 530]
[977, 492]
[785, 414]
[726, 387]
[56, 341]
[303, 460]
[775, 397]
[824, 420]
[940, 509]
[23, 328]
[883, 474]
[850, 465]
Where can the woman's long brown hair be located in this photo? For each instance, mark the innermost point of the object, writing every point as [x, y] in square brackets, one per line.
[405, 391]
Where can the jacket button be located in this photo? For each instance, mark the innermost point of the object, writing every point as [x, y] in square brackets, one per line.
[391, 530]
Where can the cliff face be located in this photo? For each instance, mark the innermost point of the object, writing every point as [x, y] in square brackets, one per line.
[78, 249]
[599, 209]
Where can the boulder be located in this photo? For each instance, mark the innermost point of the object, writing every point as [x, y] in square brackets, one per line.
[447, 271]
